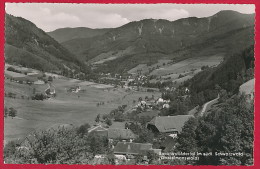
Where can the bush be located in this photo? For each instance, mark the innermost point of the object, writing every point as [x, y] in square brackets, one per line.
[119, 117]
[9, 149]
[204, 67]
[180, 76]
[83, 129]
[12, 112]
[62, 146]
[39, 96]
[108, 122]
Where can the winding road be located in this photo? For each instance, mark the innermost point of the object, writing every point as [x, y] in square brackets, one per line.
[205, 106]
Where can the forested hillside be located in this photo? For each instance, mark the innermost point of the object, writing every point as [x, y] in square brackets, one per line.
[224, 80]
[29, 46]
[228, 129]
[235, 69]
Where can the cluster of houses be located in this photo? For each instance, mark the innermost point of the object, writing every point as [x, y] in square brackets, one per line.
[149, 104]
[127, 81]
[122, 141]
[74, 89]
[125, 149]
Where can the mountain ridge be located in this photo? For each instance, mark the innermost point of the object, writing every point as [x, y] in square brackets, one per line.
[65, 34]
[150, 36]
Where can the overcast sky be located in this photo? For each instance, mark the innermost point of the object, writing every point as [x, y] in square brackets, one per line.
[50, 16]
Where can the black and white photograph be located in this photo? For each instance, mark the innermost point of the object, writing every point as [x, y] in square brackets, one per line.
[129, 84]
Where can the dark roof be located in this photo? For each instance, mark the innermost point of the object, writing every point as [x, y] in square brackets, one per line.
[168, 144]
[124, 134]
[132, 148]
[170, 123]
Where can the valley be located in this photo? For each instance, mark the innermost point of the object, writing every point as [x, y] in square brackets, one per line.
[66, 107]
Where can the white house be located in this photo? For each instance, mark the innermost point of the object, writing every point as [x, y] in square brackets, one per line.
[38, 82]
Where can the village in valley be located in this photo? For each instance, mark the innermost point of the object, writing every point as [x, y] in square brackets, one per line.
[116, 126]
[150, 92]
[136, 131]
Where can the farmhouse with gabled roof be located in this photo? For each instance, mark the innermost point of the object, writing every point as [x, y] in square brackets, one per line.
[168, 124]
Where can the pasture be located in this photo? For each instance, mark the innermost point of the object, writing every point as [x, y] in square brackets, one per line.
[188, 65]
[145, 68]
[111, 55]
[166, 69]
[65, 108]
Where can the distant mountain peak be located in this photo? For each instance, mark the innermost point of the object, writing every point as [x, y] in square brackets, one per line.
[229, 13]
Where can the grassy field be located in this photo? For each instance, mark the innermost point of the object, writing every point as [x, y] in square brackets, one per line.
[166, 69]
[145, 68]
[66, 108]
[188, 65]
[248, 87]
[111, 55]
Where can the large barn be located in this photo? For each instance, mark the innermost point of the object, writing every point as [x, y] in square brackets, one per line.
[168, 124]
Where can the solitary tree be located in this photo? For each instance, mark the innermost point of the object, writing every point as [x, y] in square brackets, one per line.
[108, 122]
[83, 129]
[97, 118]
[12, 112]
